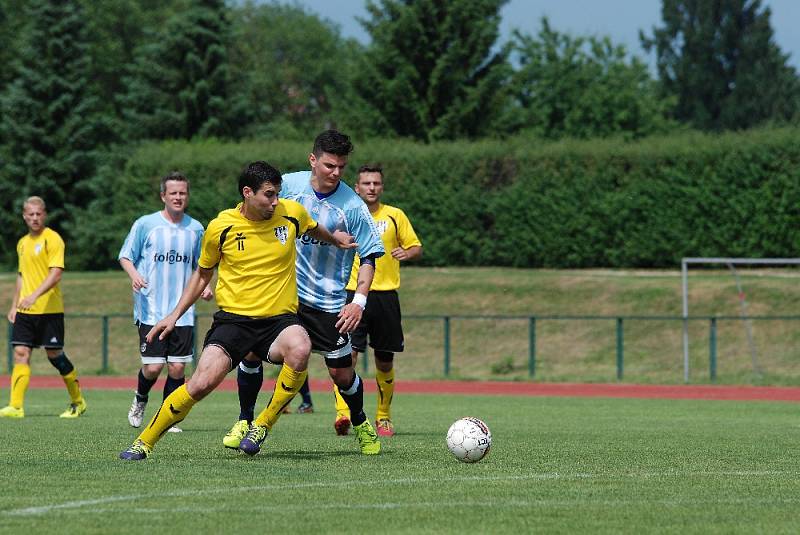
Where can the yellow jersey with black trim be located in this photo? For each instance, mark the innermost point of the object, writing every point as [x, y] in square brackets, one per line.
[36, 255]
[256, 259]
[396, 231]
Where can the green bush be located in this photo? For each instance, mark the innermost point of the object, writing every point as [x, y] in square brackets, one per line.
[517, 202]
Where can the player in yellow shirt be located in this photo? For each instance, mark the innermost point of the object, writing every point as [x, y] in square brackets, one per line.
[37, 311]
[253, 247]
[381, 321]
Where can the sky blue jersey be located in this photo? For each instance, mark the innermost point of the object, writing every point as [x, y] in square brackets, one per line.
[165, 254]
[323, 270]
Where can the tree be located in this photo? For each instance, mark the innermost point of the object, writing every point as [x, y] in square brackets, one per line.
[51, 132]
[179, 84]
[286, 63]
[430, 72]
[719, 59]
[581, 87]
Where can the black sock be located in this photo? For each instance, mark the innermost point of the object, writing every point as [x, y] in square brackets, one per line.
[306, 392]
[355, 400]
[143, 387]
[249, 386]
[172, 384]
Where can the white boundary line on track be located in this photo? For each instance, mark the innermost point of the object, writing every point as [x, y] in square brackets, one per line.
[46, 509]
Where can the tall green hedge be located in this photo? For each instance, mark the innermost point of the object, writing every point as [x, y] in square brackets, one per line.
[518, 202]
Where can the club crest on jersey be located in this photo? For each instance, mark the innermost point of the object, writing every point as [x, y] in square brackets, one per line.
[382, 226]
[282, 233]
[37, 249]
[240, 237]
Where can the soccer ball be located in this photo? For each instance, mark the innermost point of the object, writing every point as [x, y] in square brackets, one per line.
[469, 439]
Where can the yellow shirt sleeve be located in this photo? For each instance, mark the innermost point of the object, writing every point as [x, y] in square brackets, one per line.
[210, 253]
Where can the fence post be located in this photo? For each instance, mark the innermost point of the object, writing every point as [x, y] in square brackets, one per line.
[531, 347]
[620, 343]
[10, 348]
[446, 345]
[712, 350]
[105, 345]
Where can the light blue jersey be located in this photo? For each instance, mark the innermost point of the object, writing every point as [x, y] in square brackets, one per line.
[165, 254]
[323, 270]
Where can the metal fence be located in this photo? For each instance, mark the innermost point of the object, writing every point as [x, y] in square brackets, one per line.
[533, 322]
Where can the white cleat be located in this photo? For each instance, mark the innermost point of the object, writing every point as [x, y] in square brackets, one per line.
[136, 412]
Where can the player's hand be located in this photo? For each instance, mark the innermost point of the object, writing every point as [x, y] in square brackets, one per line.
[399, 253]
[161, 329]
[12, 315]
[27, 303]
[349, 318]
[138, 282]
[344, 240]
[207, 294]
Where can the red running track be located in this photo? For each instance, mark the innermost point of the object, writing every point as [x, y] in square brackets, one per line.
[712, 392]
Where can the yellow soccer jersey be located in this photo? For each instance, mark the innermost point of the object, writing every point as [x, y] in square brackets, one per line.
[37, 254]
[257, 276]
[396, 231]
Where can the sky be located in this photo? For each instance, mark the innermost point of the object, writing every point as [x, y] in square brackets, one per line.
[619, 19]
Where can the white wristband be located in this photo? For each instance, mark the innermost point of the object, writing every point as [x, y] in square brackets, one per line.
[360, 300]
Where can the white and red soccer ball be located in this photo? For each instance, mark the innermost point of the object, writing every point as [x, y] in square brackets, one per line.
[469, 439]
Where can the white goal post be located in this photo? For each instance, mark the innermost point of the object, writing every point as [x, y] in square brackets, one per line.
[730, 262]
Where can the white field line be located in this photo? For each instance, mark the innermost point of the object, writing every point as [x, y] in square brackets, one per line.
[79, 504]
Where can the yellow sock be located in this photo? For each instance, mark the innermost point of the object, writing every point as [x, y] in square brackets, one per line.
[172, 411]
[341, 405]
[73, 386]
[20, 377]
[385, 382]
[287, 385]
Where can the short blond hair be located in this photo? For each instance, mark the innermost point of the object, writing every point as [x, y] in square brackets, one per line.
[34, 200]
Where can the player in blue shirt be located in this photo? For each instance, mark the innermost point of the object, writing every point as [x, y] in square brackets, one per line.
[159, 255]
[323, 272]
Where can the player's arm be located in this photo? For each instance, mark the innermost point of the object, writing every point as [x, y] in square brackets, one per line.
[12, 312]
[137, 281]
[412, 253]
[350, 315]
[194, 288]
[53, 278]
[339, 238]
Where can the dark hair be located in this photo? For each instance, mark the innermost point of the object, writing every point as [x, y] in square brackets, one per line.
[370, 168]
[332, 142]
[177, 176]
[256, 173]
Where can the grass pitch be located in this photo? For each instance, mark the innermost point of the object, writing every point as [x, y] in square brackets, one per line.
[557, 465]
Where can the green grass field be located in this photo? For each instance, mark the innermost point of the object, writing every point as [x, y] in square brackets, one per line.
[557, 465]
[498, 349]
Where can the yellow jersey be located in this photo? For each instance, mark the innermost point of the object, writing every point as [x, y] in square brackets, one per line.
[256, 259]
[37, 254]
[396, 231]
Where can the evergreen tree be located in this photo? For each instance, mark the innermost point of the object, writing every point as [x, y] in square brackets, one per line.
[719, 58]
[50, 130]
[178, 86]
[430, 72]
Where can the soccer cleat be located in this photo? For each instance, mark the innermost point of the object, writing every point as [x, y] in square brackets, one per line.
[384, 427]
[251, 443]
[305, 408]
[367, 438]
[74, 410]
[236, 434]
[342, 425]
[12, 412]
[287, 410]
[138, 451]
[136, 412]
[174, 429]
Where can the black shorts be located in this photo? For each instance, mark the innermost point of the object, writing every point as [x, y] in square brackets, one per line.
[381, 322]
[239, 335]
[325, 337]
[38, 330]
[178, 347]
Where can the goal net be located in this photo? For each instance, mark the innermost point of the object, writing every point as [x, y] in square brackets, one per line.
[731, 263]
